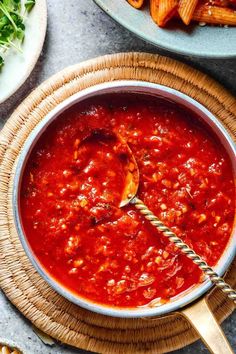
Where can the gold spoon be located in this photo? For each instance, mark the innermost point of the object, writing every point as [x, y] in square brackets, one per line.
[129, 197]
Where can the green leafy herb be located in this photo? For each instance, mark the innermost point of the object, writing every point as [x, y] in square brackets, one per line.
[29, 5]
[1, 62]
[12, 28]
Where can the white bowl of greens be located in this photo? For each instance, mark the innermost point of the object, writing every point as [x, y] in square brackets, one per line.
[22, 32]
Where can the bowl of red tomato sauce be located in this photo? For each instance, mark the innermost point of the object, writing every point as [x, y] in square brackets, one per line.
[108, 259]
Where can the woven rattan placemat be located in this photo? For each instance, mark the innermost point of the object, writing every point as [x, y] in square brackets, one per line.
[22, 284]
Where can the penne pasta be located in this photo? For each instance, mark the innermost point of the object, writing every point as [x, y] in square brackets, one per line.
[6, 350]
[186, 9]
[222, 3]
[154, 9]
[215, 15]
[136, 3]
[219, 12]
[166, 11]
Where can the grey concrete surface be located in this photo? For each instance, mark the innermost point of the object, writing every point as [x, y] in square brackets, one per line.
[79, 30]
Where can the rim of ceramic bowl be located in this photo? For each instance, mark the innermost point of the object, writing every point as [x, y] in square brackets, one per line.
[160, 44]
[133, 87]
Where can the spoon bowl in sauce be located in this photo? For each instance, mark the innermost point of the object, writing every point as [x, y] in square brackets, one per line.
[121, 148]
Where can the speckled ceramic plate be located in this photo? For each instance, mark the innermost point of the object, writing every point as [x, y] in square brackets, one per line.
[207, 41]
[18, 66]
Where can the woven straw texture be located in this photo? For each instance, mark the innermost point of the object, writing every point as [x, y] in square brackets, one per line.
[22, 284]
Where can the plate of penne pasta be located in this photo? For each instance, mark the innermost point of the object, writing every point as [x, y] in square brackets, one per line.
[205, 28]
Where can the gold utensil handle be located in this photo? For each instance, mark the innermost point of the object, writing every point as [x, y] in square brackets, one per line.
[204, 322]
[214, 277]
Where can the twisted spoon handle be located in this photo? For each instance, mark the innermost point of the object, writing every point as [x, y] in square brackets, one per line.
[172, 237]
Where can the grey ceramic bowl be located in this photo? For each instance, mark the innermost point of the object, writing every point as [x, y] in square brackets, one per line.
[207, 41]
[124, 87]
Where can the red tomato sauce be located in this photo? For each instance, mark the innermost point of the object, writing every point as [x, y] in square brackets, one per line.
[71, 189]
